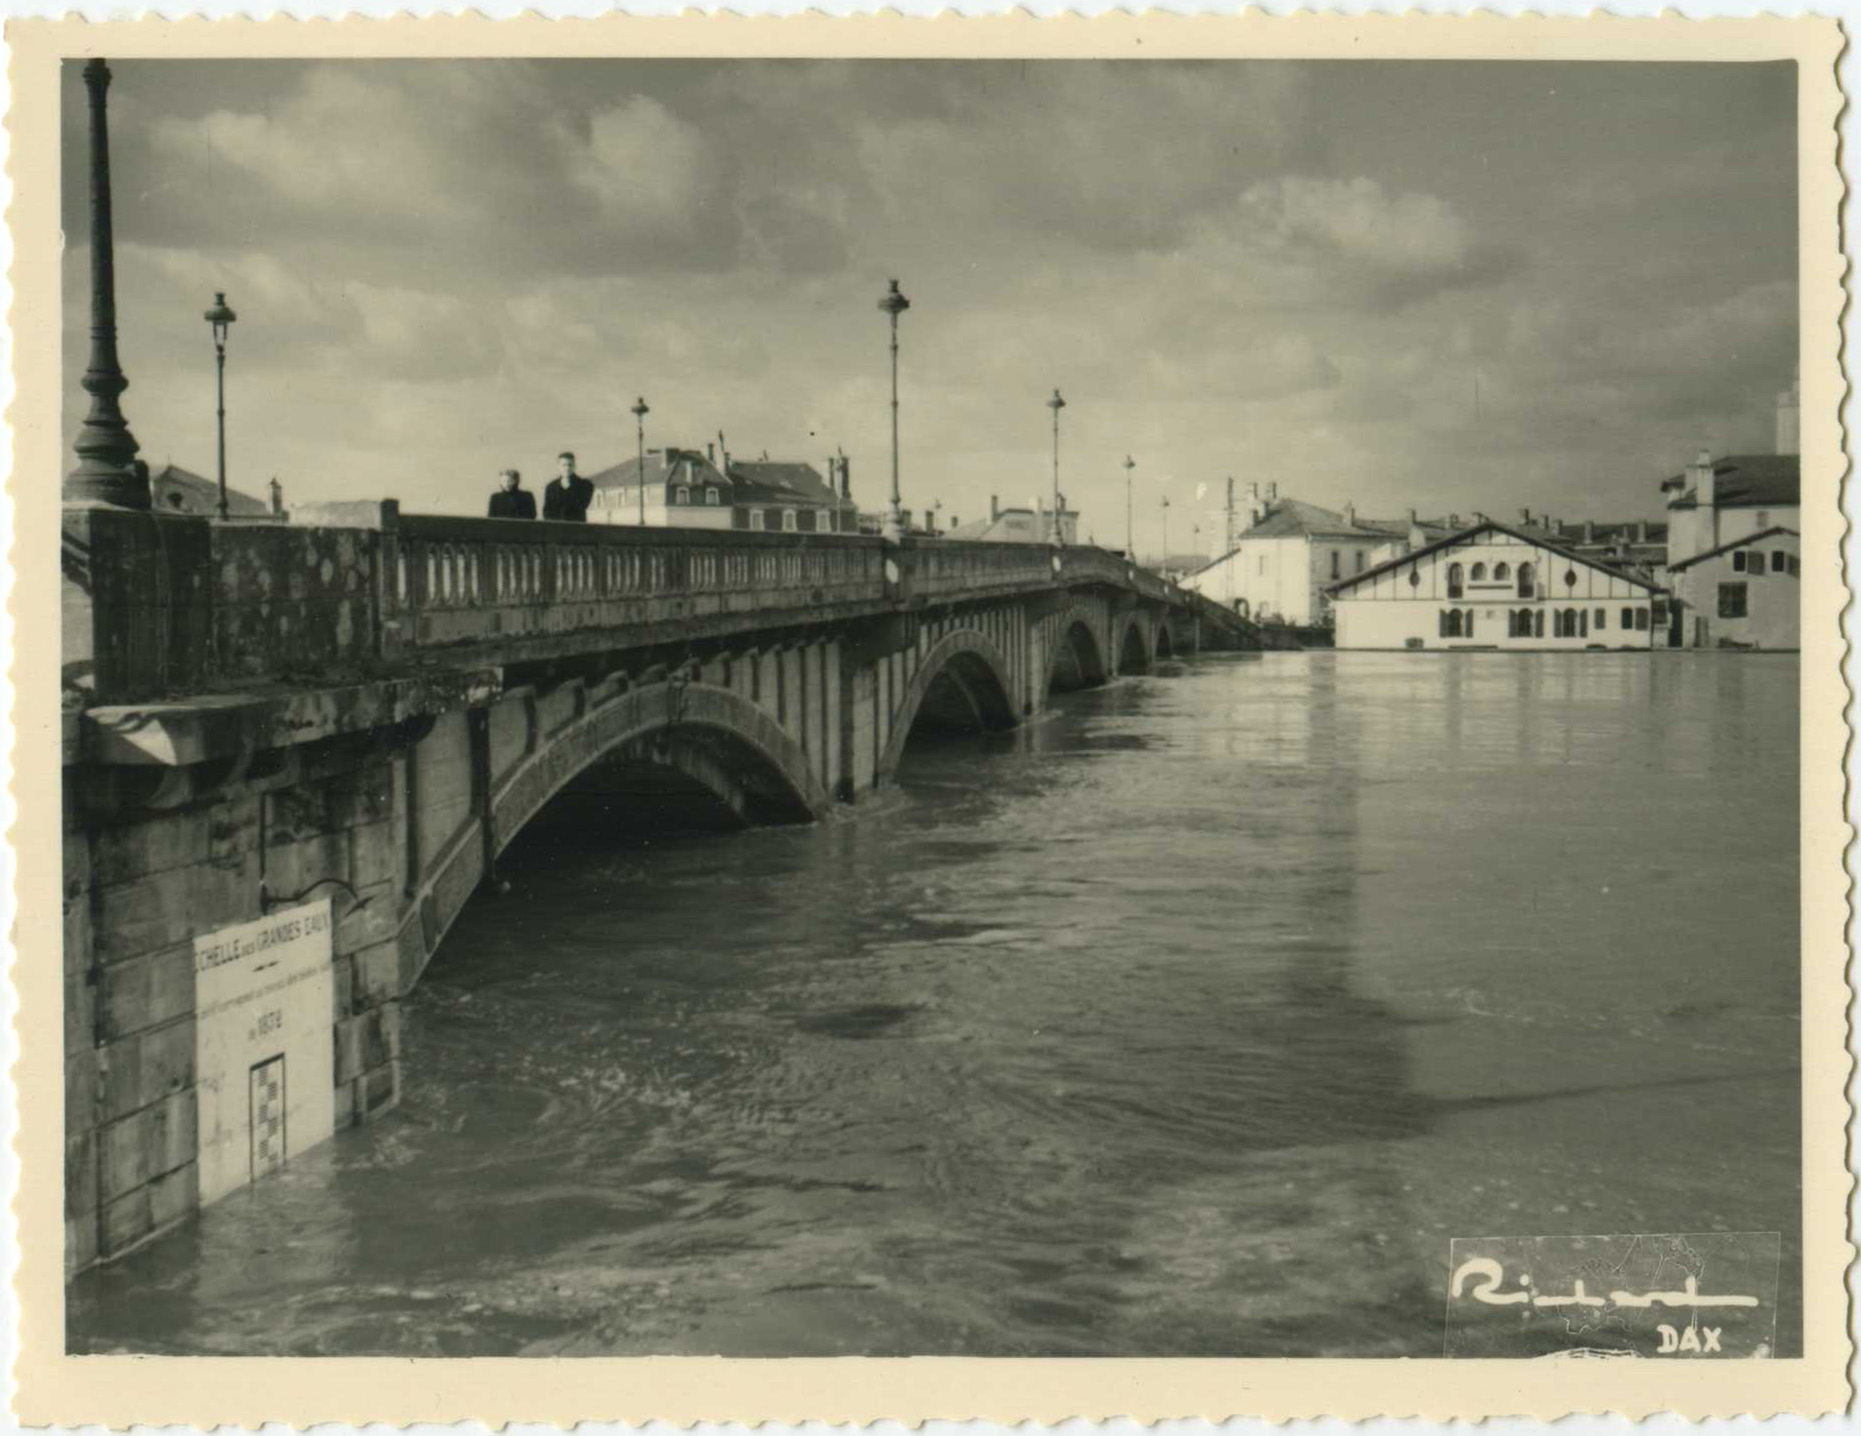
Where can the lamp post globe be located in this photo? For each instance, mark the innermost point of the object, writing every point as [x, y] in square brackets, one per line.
[893, 303]
[1056, 403]
[640, 411]
[220, 319]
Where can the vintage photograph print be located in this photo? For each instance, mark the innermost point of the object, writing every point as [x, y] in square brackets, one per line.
[976, 706]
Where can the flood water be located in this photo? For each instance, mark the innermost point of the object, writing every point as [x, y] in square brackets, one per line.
[1194, 1018]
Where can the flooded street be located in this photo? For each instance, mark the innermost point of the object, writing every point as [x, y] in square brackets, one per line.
[1193, 1019]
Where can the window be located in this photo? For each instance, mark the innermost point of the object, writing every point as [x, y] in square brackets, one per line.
[1570, 578]
[1628, 618]
[756, 519]
[710, 496]
[1467, 627]
[1525, 588]
[1602, 619]
[1479, 573]
[1780, 561]
[1518, 623]
[1360, 558]
[1660, 612]
[1453, 580]
[788, 521]
[1501, 572]
[684, 494]
[1732, 601]
[1641, 620]
[1537, 624]
[1738, 561]
[1450, 623]
[1336, 564]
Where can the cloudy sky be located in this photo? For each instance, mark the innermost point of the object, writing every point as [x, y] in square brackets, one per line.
[1287, 272]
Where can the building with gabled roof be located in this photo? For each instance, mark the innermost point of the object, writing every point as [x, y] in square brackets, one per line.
[1493, 586]
[1288, 554]
[175, 490]
[683, 489]
[1745, 593]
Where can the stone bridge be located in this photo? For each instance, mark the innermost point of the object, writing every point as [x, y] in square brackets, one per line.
[294, 750]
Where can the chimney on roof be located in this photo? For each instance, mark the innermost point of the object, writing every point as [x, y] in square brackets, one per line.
[1641, 530]
[1789, 416]
[1273, 493]
[1350, 514]
[1704, 479]
[277, 496]
[1525, 518]
[1589, 531]
[995, 507]
[1556, 526]
[710, 451]
[955, 522]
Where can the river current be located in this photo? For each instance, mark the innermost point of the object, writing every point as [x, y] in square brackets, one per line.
[1195, 1018]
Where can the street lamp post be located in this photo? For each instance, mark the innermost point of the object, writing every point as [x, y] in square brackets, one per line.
[894, 304]
[106, 472]
[640, 411]
[1164, 566]
[221, 319]
[1056, 403]
[1130, 529]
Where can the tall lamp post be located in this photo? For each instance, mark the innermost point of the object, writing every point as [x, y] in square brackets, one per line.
[894, 304]
[640, 411]
[1130, 529]
[1056, 403]
[1164, 566]
[221, 319]
[106, 471]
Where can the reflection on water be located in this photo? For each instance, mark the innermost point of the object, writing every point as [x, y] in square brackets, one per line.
[1192, 1019]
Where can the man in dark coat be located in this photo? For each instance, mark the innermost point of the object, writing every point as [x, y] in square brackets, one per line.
[512, 501]
[567, 498]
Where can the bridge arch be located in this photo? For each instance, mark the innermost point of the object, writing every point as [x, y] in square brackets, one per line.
[963, 669]
[1076, 655]
[723, 741]
[1165, 645]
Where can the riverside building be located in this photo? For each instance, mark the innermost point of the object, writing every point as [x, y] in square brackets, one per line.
[1492, 586]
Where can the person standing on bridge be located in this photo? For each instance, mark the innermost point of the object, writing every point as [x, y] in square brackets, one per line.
[512, 500]
[567, 498]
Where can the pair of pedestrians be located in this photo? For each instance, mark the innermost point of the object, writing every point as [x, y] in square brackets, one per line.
[565, 500]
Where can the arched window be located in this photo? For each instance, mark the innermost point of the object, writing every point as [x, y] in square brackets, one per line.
[1479, 573]
[710, 496]
[1537, 624]
[1467, 627]
[1501, 572]
[788, 521]
[1525, 583]
[756, 519]
[1453, 580]
[1453, 623]
[684, 494]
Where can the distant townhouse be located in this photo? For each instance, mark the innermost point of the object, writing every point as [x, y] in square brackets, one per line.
[1017, 525]
[683, 488]
[175, 490]
[1734, 544]
[686, 488]
[1287, 556]
[1493, 586]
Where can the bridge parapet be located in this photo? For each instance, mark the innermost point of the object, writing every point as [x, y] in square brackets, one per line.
[164, 606]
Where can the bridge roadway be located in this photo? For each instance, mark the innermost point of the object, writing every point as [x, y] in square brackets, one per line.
[319, 735]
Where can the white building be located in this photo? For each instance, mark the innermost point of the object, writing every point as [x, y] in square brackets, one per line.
[1496, 587]
[1288, 555]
